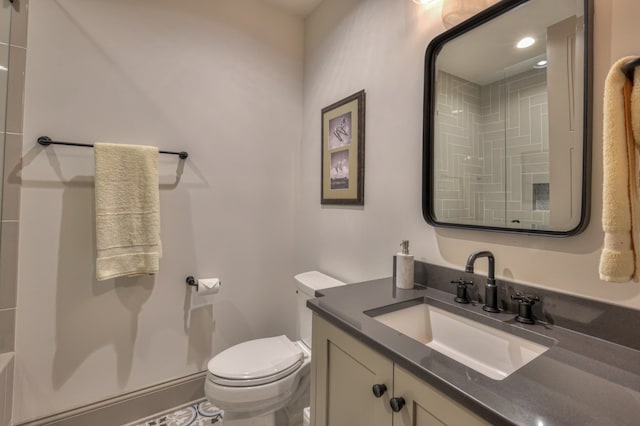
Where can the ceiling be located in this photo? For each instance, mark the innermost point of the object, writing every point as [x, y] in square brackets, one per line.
[300, 8]
[487, 52]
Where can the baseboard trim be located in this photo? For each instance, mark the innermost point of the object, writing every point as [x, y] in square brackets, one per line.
[131, 406]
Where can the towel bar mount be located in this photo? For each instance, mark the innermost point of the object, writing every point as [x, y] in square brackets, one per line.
[629, 68]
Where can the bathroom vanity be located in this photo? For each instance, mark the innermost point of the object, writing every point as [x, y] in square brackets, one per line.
[344, 371]
[369, 368]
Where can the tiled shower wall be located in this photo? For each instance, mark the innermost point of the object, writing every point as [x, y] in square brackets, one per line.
[12, 52]
[514, 116]
[458, 161]
[481, 126]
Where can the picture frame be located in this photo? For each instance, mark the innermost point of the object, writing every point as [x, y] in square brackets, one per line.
[342, 153]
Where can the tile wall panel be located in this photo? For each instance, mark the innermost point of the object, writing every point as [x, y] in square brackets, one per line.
[480, 127]
[12, 51]
[458, 165]
[13, 151]
[8, 265]
[6, 388]
[15, 89]
[12, 180]
[7, 330]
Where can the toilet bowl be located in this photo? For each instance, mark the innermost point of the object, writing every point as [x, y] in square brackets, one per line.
[257, 378]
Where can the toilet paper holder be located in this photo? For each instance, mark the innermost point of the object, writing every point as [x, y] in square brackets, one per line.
[190, 280]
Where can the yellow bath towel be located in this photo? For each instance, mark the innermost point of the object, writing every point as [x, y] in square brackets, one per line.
[127, 210]
[619, 258]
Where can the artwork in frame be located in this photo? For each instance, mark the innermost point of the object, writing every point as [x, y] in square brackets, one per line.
[342, 180]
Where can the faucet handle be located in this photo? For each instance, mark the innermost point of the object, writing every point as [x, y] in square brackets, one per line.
[461, 292]
[525, 302]
[525, 298]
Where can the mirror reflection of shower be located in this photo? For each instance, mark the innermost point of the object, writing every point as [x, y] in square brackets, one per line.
[508, 133]
[504, 145]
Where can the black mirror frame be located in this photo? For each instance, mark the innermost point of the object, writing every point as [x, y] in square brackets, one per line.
[429, 108]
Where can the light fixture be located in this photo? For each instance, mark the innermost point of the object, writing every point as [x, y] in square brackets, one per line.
[526, 42]
[456, 11]
[541, 64]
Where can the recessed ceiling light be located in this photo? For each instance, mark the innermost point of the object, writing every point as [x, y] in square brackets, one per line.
[541, 64]
[526, 42]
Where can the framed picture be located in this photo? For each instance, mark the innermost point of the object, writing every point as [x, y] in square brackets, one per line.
[343, 151]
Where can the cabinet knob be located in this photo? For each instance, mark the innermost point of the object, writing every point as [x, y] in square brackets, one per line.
[397, 404]
[379, 390]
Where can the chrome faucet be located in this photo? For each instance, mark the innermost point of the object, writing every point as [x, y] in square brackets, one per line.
[491, 290]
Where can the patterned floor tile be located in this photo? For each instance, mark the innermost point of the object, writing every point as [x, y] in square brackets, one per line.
[199, 414]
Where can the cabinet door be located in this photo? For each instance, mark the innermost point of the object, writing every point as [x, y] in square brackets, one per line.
[425, 406]
[344, 372]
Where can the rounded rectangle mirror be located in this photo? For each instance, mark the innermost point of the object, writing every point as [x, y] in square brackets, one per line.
[507, 115]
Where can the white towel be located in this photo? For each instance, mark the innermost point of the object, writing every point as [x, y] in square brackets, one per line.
[127, 210]
[618, 261]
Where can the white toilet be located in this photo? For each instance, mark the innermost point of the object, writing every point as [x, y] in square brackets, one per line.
[251, 381]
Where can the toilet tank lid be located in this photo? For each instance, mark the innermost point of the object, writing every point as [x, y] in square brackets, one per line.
[310, 282]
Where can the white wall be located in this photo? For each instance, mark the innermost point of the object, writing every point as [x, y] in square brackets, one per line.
[379, 46]
[220, 79]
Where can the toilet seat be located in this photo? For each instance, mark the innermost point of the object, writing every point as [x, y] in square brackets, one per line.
[238, 366]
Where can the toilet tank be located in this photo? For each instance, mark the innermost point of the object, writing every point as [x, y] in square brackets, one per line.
[307, 283]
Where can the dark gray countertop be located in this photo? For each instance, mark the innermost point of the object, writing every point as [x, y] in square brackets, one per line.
[580, 380]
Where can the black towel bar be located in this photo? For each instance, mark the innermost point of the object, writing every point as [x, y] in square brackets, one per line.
[629, 68]
[46, 140]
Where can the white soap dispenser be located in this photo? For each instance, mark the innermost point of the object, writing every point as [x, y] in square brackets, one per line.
[404, 267]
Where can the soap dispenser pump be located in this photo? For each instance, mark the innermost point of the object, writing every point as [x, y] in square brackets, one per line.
[404, 267]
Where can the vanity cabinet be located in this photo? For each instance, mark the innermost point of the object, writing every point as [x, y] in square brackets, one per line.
[343, 374]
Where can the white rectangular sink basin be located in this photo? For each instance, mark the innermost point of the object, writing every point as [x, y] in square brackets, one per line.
[487, 350]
